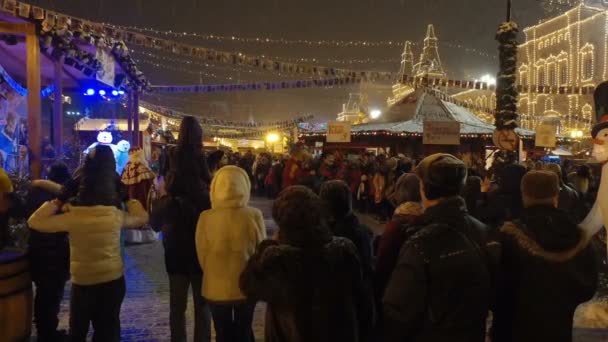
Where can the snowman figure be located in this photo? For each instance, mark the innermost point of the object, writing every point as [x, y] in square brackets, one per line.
[103, 138]
[121, 154]
[598, 217]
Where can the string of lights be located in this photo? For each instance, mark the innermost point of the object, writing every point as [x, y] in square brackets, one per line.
[224, 67]
[305, 42]
[183, 70]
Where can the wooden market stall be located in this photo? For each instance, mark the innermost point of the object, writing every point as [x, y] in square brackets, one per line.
[405, 136]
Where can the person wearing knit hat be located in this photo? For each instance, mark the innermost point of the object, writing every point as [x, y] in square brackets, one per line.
[310, 280]
[546, 258]
[448, 247]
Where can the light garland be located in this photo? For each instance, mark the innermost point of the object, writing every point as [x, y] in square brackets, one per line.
[21, 90]
[283, 41]
[221, 123]
[292, 84]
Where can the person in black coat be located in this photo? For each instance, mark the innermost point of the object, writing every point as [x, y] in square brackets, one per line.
[442, 287]
[504, 203]
[342, 221]
[176, 215]
[309, 279]
[49, 258]
[547, 268]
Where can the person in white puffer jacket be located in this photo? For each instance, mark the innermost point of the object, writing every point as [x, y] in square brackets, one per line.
[226, 237]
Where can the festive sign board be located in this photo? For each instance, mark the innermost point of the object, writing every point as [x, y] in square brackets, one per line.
[441, 133]
[506, 139]
[338, 132]
[546, 135]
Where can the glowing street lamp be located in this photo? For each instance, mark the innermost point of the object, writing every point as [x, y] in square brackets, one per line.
[272, 138]
[375, 113]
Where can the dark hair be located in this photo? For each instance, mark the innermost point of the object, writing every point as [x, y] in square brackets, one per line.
[214, 159]
[58, 173]
[299, 214]
[583, 171]
[337, 199]
[190, 132]
[186, 168]
[98, 179]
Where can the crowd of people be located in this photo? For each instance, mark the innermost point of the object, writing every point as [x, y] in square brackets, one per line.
[457, 245]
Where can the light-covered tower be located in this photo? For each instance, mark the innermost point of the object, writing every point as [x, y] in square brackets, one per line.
[407, 61]
[430, 62]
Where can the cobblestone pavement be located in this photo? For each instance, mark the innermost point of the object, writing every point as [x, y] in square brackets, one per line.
[145, 311]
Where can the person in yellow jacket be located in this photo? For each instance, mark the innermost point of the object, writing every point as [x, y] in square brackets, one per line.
[226, 236]
[94, 221]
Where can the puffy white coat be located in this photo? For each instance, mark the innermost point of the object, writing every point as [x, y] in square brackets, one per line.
[95, 255]
[227, 235]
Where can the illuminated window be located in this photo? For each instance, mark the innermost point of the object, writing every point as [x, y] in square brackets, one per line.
[560, 38]
[587, 62]
[567, 36]
[540, 45]
[552, 73]
[540, 76]
[563, 74]
[588, 67]
[523, 75]
[587, 112]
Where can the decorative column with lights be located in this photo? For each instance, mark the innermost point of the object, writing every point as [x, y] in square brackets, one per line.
[506, 90]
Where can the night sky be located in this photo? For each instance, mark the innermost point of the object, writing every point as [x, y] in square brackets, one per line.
[470, 23]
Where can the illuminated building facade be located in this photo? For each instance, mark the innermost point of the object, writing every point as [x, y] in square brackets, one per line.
[570, 50]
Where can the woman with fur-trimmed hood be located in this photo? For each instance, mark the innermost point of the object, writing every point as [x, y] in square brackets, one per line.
[547, 268]
[309, 279]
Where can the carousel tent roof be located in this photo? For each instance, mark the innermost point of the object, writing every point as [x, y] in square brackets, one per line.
[430, 107]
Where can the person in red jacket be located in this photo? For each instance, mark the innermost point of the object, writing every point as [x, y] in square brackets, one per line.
[293, 167]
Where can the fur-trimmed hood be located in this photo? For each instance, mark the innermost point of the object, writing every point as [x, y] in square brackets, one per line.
[547, 233]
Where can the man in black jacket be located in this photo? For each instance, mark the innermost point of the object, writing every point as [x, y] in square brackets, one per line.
[441, 289]
[49, 257]
[547, 268]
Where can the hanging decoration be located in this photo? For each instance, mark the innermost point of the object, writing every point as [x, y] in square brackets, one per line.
[61, 35]
[283, 41]
[206, 121]
[116, 38]
[298, 84]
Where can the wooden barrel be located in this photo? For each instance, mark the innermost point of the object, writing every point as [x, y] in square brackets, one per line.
[15, 297]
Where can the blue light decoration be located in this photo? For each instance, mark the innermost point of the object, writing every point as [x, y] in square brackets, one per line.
[19, 88]
[114, 92]
[90, 92]
[121, 92]
[102, 92]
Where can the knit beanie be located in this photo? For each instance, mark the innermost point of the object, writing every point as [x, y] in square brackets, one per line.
[540, 185]
[442, 175]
